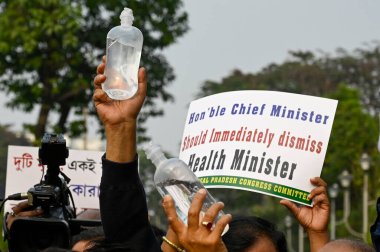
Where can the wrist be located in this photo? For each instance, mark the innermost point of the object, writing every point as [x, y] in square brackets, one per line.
[172, 237]
[317, 232]
[168, 245]
[120, 126]
[121, 142]
[317, 239]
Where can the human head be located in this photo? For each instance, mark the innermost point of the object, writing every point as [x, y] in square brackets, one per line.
[86, 238]
[92, 240]
[253, 234]
[347, 245]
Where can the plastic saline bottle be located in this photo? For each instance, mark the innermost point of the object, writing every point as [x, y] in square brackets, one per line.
[175, 178]
[124, 45]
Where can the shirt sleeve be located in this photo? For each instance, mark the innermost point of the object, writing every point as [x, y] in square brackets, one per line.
[123, 206]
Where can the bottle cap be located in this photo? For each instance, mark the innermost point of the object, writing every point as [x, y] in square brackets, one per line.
[126, 17]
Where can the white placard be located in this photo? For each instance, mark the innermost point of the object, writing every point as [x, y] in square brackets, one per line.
[82, 167]
[264, 141]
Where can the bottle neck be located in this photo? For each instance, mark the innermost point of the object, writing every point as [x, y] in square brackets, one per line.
[125, 24]
[158, 158]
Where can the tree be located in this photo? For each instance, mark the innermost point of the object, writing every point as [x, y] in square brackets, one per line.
[360, 69]
[302, 73]
[49, 51]
[306, 73]
[354, 132]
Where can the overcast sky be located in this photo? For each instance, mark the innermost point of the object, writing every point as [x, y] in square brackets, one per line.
[246, 35]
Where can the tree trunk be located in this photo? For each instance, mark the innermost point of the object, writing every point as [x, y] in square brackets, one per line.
[64, 114]
[41, 122]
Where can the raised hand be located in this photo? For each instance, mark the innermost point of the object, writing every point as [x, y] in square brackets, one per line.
[197, 236]
[119, 117]
[113, 112]
[314, 219]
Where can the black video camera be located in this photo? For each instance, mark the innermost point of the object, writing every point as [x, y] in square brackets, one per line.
[52, 194]
[53, 150]
[57, 224]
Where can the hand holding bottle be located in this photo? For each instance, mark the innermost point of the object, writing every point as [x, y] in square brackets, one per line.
[174, 177]
[119, 117]
[196, 235]
[113, 112]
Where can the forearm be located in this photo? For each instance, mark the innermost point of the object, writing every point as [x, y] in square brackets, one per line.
[121, 142]
[317, 240]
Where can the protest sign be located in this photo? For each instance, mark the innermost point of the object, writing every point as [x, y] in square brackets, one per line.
[82, 167]
[263, 141]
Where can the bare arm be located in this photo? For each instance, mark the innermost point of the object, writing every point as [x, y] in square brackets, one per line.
[314, 219]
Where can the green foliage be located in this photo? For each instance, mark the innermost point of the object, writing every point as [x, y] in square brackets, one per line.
[49, 51]
[308, 73]
[299, 74]
[359, 69]
[353, 133]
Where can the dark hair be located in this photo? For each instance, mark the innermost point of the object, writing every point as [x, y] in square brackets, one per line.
[88, 234]
[245, 231]
[103, 246]
[100, 244]
[56, 249]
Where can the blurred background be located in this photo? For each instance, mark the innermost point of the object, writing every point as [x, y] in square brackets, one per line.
[49, 50]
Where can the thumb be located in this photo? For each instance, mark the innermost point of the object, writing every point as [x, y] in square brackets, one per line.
[291, 206]
[142, 82]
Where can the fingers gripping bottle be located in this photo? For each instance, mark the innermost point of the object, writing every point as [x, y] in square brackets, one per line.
[175, 178]
[124, 45]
